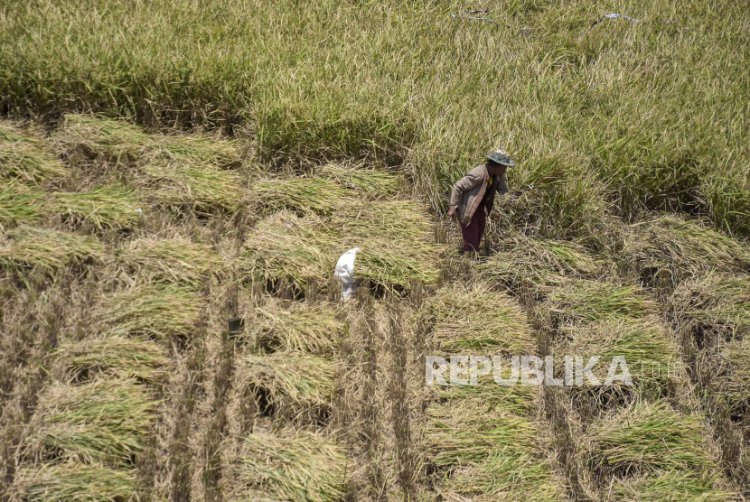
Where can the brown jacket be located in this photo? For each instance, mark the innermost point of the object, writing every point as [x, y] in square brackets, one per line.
[468, 192]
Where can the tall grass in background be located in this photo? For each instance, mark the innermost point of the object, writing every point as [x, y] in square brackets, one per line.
[654, 113]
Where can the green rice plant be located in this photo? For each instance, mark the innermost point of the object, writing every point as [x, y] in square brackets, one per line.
[728, 200]
[305, 328]
[112, 356]
[104, 207]
[103, 138]
[374, 183]
[647, 347]
[289, 384]
[505, 476]
[175, 260]
[20, 204]
[160, 311]
[667, 250]
[650, 437]
[471, 318]
[580, 301]
[302, 196]
[47, 250]
[204, 187]
[670, 486]
[25, 158]
[76, 482]
[714, 307]
[105, 421]
[298, 466]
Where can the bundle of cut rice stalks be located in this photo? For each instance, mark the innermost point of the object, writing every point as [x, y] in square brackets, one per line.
[288, 384]
[297, 466]
[581, 301]
[667, 250]
[161, 311]
[713, 308]
[474, 318]
[302, 196]
[25, 157]
[112, 206]
[301, 327]
[651, 438]
[728, 375]
[647, 348]
[486, 453]
[47, 250]
[374, 183]
[75, 482]
[112, 356]
[20, 204]
[176, 260]
[531, 267]
[105, 421]
[203, 187]
[669, 486]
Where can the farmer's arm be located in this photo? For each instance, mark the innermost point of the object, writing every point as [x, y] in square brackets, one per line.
[462, 186]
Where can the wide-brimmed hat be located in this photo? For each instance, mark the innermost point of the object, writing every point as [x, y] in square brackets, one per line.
[501, 157]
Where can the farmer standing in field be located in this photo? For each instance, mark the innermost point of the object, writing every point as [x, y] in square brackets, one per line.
[473, 195]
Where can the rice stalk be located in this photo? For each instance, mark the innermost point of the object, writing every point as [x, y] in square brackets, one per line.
[304, 328]
[161, 311]
[20, 204]
[47, 250]
[176, 260]
[297, 466]
[105, 421]
[98, 137]
[112, 357]
[302, 196]
[374, 183]
[650, 437]
[104, 207]
[25, 158]
[290, 384]
[670, 486]
[76, 482]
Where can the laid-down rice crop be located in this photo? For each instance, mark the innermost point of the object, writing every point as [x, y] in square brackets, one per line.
[646, 346]
[729, 382]
[669, 486]
[374, 183]
[47, 250]
[105, 421]
[288, 384]
[75, 481]
[297, 466]
[666, 250]
[112, 206]
[301, 196]
[300, 327]
[19, 204]
[154, 310]
[112, 356]
[24, 157]
[175, 260]
[486, 453]
[582, 301]
[474, 318]
[650, 437]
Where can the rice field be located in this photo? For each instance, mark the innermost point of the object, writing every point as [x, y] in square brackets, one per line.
[170, 219]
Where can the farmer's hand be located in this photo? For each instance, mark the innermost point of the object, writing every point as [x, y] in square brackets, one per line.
[452, 213]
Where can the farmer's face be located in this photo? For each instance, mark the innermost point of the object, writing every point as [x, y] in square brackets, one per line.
[496, 169]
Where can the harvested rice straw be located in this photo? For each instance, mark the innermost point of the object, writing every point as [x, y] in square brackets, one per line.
[112, 140]
[75, 481]
[177, 260]
[113, 206]
[20, 204]
[302, 196]
[112, 356]
[102, 421]
[374, 183]
[298, 466]
[290, 384]
[670, 486]
[47, 250]
[301, 327]
[471, 318]
[24, 157]
[153, 310]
